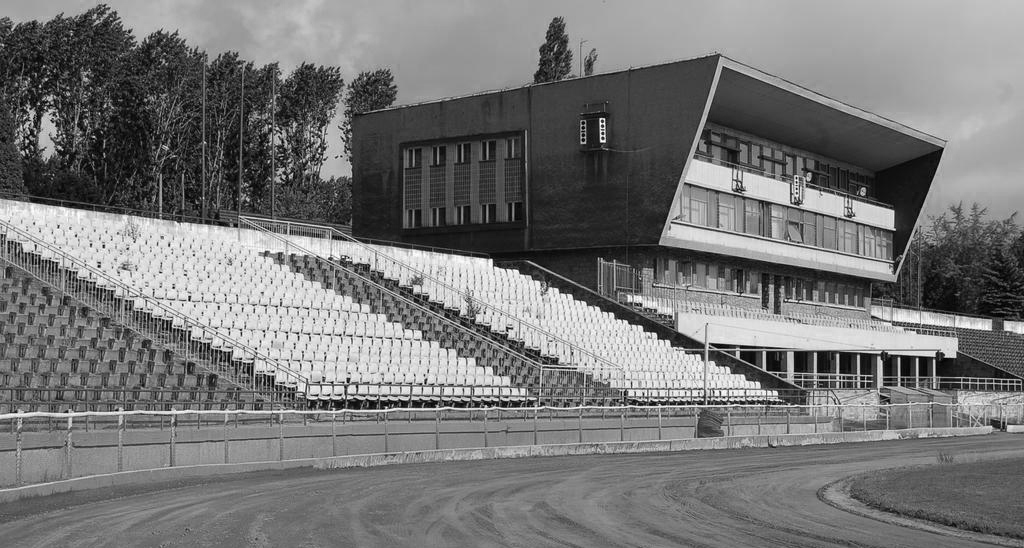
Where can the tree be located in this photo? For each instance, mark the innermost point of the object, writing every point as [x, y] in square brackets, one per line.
[11, 178]
[371, 90]
[306, 105]
[1002, 287]
[555, 61]
[589, 61]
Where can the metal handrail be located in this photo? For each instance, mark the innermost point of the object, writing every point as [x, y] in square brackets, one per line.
[460, 294]
[130, 293]
[541, 368]
[787, 178]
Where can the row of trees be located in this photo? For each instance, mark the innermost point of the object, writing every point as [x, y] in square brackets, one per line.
[555, 60]
[962, 261]
[215, 132]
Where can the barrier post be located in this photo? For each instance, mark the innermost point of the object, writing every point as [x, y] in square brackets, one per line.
[334, 434]
[437, 430]
[658, 423]
[173, 435]
[842, 422]
[280, 437]
[535, 425]
[227, 455]
[788, 426]
[622, 424]
[485, 427]
[67, 450]
[120, 442]
[386, 444]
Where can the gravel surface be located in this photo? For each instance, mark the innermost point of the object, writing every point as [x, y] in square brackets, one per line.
[729, 498]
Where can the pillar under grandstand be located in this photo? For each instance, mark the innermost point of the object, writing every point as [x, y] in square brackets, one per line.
[833, 368]
[814, 364]
[856, 368]
[877, 369]
[932, 372]
[790, 365]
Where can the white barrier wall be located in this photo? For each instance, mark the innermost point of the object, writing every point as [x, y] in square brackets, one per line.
[926, 317]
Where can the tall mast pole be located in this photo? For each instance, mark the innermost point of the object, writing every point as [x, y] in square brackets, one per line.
[241, 139]
[202, 205]
[273, 144]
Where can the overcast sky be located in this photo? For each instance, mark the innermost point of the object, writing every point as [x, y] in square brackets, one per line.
[951, 69]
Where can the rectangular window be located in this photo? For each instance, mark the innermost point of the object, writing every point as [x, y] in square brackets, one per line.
[829, 232]
[869, 249]
[699, 206]
[712, 279]
[849, 241]
[462, 215]
[752, 212]
[753, 282]
[463, 153]
[685, 270]
[515, 211]
[488, 213]
[726, 212]
[489, 151]
[700, 274]
[513, 147]
[810, 228]
[413, 157]
[439, 216]
[439, 155]
[413, 218]
[794, 226]
[778, 222]
[885, 245]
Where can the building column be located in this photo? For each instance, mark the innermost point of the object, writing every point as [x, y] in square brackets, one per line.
[932, 364]
[877, 369]
[833, 368]
[856, 369]
[814, 369]
[917, 371]
[790, 365]
[898, 370]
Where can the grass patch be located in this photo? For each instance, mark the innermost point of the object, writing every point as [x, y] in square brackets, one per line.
[980, 496]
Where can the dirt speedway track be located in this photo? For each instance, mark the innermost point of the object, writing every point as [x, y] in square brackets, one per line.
[747, 497]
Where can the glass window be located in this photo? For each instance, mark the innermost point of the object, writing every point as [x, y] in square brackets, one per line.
[778, 222]
[489, 150]
[712, 279]
[514, 211]
[794, 226]
[489, 213]
[462, 215]
[726, 212]
[829, 232]
[439, 155]
[439, 216]
[810, 228]
[699, 206]
[700, 274]
[683, 274]
[513, 147]
[463, 153]
[414, 218]
[752, 212]
[413, 157]
[849, 241]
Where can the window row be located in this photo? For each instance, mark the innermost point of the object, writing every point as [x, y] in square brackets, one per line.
[734, 213]
[825, 292]
[488, 213]
[705, 275]
[774, 160]
[413, 156]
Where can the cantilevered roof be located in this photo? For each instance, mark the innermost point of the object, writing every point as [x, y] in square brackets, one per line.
[761, 104]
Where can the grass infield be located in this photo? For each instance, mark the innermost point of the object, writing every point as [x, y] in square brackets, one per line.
[982, 496]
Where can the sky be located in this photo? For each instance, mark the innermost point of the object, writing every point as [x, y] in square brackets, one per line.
[950, 69]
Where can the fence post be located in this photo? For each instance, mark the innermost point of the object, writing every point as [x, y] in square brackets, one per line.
[485, 427]
[888, 411]
[120, 441]
[173, 435]
[842, 422]
[437, 429]
[280, 437]
[67, 449]
[386, 444]
[334, 434]
[789, 429]
[17, 449]
[535, 425]
[622, 424]
[659, 424]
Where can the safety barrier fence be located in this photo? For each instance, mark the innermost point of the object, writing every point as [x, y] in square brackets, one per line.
[200, 346]
[37, 447]
[852, 381]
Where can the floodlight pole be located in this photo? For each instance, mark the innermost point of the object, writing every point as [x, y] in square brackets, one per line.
[706, 366]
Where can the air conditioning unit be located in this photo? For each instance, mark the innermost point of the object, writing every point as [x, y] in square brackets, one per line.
[796, 189]
[737, 180]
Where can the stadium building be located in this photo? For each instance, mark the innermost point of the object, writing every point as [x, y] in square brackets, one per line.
[703, 192]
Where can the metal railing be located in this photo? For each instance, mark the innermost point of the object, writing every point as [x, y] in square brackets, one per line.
[82, 444]
[186, 337]
[786, 178]
[834, 380]
[479, 311]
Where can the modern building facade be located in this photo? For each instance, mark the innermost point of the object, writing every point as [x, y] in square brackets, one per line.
[703, 180]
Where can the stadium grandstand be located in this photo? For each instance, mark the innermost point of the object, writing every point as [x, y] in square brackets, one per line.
[705, 196]
[692, 232]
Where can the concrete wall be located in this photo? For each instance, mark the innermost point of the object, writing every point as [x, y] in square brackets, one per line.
[48, 456]
[930, 318]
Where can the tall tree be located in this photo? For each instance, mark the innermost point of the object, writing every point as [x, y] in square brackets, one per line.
[306, 104]
[84, 56]
[555, 61]
[11, 178]
[371, 90]
[1002, 286]
[589, 61]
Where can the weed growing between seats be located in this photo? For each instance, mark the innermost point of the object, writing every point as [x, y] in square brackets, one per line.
[982, 496]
